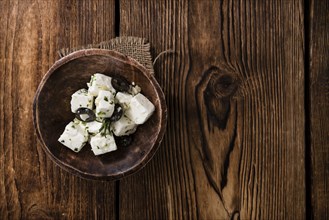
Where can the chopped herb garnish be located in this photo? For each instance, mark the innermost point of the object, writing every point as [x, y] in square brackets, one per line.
[62, 141]
[106, 99]
[75, 149]
[105, 127]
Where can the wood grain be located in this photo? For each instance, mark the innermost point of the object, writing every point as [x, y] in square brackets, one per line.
[235, 140]
[31, 186]
[319, 108]
[234, 146]
[164, 189]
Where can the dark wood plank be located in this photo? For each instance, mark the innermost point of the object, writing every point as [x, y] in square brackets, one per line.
[31, 186]
[164, 189]
[319, 108]
[234, 145]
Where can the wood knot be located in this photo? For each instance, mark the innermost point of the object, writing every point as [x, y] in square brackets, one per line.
[218, 87]
[222, 85]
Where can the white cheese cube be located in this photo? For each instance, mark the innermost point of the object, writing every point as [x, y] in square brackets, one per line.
[123, 99]
[100, 82]
[74, 137]
[140, 109]
[104, 109]
[124, 126]
[81, 99]
[94, 126]
[104, 95]
[104, 104]
[101, 144]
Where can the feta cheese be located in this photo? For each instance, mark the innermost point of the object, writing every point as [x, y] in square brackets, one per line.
[100, 82]
[140, 109]
[104, 104]
[74, 136]
[123, 99]
[101, 144]
[134, 89]
[104, 95]
[84, 116]
[94, 127]
[134, 107]
[81, 99]
[124, 126]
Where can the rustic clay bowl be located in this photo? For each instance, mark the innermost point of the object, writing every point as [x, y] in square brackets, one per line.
[51, 112]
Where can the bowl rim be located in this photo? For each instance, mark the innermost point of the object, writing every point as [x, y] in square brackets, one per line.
[123, 58]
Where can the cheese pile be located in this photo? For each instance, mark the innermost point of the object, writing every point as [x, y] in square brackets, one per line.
[103, 100]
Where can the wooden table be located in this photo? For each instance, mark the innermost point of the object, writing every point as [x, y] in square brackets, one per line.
[248, 98]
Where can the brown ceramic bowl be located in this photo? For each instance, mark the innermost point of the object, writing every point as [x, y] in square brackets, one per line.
[51, 112]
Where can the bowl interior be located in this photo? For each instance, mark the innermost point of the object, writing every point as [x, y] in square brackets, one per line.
[53, 114]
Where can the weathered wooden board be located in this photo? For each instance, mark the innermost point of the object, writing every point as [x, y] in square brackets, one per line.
[31, 32]
[318, 104]
[236, 135]
[235, 140]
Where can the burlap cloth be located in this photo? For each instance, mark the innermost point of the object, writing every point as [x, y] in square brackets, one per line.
[135, 47]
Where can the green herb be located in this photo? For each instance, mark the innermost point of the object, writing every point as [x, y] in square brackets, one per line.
[75, 149]
[101, 113]
[105, 127]
[73, 126]
[106, 99]
[62, 141]
[111, 102]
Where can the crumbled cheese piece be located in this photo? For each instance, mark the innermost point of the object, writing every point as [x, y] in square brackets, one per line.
[74, 136]
[93, 127]
[101, 144]
[135, 89]
[104, 104]
[124, 99]
[84, 117]
[140, 109]
[100, 82]
[81, 99]
[124, 126]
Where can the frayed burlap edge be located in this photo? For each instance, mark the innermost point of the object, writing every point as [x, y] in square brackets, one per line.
[134, 47]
